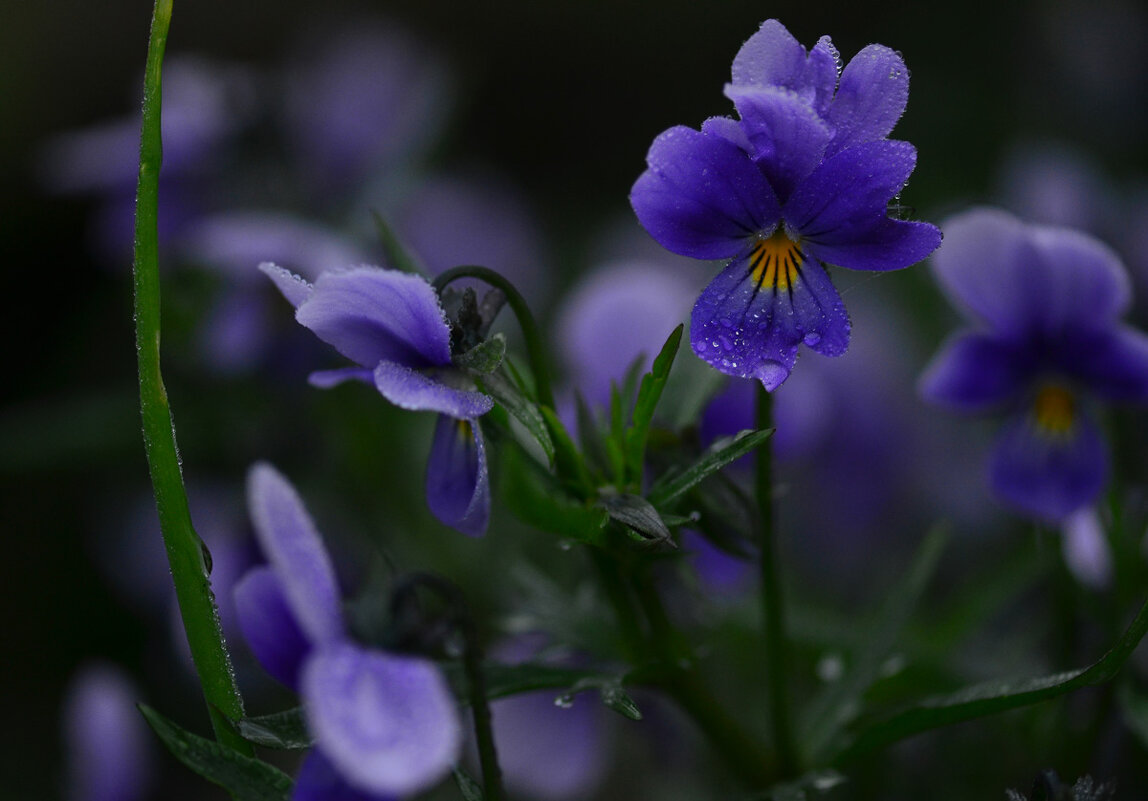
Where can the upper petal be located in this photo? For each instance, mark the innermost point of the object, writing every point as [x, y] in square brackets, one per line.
[975, 371]
[416, 391]
[787, 137]
[369, 314]
[458, 485]
[870, 98]
[1082, 282]
[773, 57]
[747, 325]
[387, 723]
[293, 547]
[702, 196]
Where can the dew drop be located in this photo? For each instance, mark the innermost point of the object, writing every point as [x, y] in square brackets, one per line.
[812, 338]
[564, 701]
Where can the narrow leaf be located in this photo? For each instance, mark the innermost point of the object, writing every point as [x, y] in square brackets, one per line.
[615, 697]
[485, 357]
[567, 459]
[285, 730]
[522, 409]
[805, 787]
[535, 497]
[639, 517]
[670, 487]
[471, 790]
[991, 697]
[395, 253]
[649, 393]
[246, 778]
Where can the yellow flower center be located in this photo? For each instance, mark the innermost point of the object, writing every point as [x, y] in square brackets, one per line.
[775, 261]
[1054, 409]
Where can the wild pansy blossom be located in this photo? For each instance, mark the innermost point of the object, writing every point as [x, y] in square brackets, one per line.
[392, 325]
[802, 179]
[1046, 341]
[385, 724]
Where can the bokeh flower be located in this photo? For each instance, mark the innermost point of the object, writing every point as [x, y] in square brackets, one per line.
[802, 179]
[1046, 343]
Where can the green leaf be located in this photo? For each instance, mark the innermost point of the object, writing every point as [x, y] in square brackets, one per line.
[990, 698]
[505, 680]
[522, 409]
[590, 435]
[538, 500]
[639, 517]
[649, 393]
[247, 779]
[613, 696]
[840, 702]
[810, 785]
[394, 253]
[1134, 710]
[285, 730]
[485, 357]
[566, 456]
[670, 487]
[471, 790]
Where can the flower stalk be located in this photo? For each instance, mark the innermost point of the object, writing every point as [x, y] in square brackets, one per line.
[185, 550]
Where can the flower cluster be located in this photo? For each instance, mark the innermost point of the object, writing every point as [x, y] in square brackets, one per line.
[803, 178]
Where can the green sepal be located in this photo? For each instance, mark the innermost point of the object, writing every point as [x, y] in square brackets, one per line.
[285, 730]
[649, 392]
[485, 357]
[521, 409]
[395, 253]
[470, 789]
[672, 486]
[245, 778]
[639, 516]
[992, 697]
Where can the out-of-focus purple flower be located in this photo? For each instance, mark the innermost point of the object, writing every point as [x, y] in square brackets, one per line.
[393, 327]
[802, 179]
[370, 98]
[385, 724]
[1054, 185]
[1086, 550]
[108, 745]
[1046, 341]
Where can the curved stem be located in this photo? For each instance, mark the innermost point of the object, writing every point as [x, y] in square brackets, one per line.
[773, 612]
[185, 550]
[534, 350]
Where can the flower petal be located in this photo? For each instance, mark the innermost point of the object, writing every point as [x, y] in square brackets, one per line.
[293, 287]
[840, 210]
[387, 723]
[293, 547]
[269, 626]
[369, 314]
[458, 486]
[325, 379]
[702, 196]
[787, 136]
[319, 781]
[1083, 283]
[1113, 363]
[729, 129]
[751, 330]
[1049, 476]
[416, 391]
[773, 57]
[974, 371]
[870, 98]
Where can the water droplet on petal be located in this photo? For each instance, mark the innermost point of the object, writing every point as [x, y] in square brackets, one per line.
[564, 701]
[812, 338]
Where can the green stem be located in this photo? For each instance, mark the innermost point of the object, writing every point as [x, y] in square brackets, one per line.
[185, 550]
[776, 643]
[534, 350]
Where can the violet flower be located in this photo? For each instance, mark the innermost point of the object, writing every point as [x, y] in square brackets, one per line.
[393, 327]
[1046, 342]
[802, 179]
[385, 724]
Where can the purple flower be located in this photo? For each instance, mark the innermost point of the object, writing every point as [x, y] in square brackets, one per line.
[385, 724]
[392, 325]
[802, 179]
[1046, 342]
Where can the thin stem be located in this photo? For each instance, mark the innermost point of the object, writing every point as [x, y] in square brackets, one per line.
[776, 643]
[534, 350]
[185, 550]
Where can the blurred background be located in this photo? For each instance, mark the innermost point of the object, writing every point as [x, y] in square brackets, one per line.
[506, 133]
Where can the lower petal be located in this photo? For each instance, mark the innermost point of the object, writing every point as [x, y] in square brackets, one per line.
[458, 486]
[749, 321]
[1049, 475]
[319, 781]
[410, 389]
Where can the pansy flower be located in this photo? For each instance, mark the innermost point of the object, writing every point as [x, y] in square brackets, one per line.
[1046, 343]
[385, 724]
[393, 327]
[804, 178]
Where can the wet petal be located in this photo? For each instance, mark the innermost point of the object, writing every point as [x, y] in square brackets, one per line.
[416, 391]
[458, 486]
[974, 371]
[387, 723]
[773, 57]
[325, 379]
[1049, 476]
[750, 326]
[702, 196]
[269, 626]
[787, 136]
[293, 287]
[369, 314]
[319, 781]
[729, 129]
[293, 547]
[870, 99]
